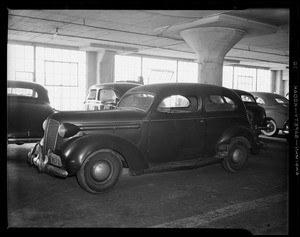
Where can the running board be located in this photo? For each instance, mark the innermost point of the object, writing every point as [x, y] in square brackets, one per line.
[181, 165]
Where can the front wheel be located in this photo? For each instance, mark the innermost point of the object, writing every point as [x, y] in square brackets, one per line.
[238, 155]
[271, 130]
[100, 171]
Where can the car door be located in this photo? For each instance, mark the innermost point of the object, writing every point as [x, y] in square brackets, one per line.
[176, 130]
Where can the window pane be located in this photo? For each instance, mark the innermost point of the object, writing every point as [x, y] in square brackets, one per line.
[92, 94]
[187, 72]
[127, 68]
[217, 103]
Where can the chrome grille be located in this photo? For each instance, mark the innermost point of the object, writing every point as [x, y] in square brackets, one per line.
[50, 135]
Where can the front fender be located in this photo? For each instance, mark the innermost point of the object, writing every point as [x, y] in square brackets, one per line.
[77, 151]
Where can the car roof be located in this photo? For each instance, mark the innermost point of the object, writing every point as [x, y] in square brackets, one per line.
[41, 90]
[267, 94]
[240, 92]
[183, 88]
[114, 85]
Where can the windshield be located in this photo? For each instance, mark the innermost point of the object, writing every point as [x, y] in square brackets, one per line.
[140, 101]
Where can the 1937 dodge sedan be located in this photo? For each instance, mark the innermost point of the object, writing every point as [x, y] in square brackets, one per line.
[154, 128]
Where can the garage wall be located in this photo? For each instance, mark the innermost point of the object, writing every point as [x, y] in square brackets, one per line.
[61, 71]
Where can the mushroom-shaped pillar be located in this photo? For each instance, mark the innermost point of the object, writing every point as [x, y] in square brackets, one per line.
[211, 45]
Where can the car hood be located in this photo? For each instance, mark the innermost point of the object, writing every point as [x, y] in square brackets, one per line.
[82, 117]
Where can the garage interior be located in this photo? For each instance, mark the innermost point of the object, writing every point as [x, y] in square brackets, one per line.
[69, 50]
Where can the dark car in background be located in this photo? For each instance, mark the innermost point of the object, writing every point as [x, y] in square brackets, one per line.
[154, 128]
[277, 110]
[106, 95]
[257, 113]
[27, 108]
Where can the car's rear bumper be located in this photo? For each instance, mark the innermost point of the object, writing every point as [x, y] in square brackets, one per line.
[45, 162]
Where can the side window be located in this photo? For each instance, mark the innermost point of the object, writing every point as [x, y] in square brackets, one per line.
[218, 103]
[92, 94]
[260, 101]
[178, 104]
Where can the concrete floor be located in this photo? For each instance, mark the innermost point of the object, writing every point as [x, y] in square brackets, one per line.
[255, 199]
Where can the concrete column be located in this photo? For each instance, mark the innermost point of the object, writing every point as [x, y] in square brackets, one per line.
[91, 72]
[277, 84]
[105, 66]
[211, 45]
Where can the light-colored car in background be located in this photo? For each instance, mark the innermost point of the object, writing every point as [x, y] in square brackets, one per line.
[277, 110]
[106, 95]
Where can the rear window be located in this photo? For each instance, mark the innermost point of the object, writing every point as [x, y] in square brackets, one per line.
[247, 98]
[22, 92]
[281, 100]
[218, 103]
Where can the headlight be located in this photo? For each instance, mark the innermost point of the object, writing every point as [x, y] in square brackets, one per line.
[45, 123]
[67, 130]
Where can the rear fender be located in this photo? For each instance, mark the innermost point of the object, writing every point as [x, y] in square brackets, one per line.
[237, 131]
[78, 150]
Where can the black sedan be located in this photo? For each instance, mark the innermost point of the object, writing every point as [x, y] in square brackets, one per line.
[154, 128]
[27, 107]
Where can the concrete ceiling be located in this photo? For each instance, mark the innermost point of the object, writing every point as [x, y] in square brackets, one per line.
[155, 32]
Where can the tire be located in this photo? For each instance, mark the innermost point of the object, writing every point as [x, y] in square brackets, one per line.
[100, 172]
[272, 129]
[237, 156]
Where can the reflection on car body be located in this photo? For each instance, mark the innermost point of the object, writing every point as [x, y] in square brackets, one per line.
[27, 107]
[154, 128]
[277, 110]
[106, 95]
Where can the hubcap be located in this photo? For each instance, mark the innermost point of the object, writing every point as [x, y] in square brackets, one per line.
[100, 171]
[236, 156]
[270, 127]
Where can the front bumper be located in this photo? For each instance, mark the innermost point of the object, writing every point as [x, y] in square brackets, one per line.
[45, 162]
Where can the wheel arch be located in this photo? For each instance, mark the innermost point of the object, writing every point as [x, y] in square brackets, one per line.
[78, 150]
[238, 131]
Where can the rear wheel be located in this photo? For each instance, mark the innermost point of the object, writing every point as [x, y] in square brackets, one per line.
[100, 171]
[271, 130]
[238, 155]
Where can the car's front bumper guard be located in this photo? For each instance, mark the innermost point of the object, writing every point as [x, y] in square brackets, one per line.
[35, 157]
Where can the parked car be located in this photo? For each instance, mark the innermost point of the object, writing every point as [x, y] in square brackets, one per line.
[277, 110]
[257, 113]
[106, 95]
[27, 107]
[154, 128]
